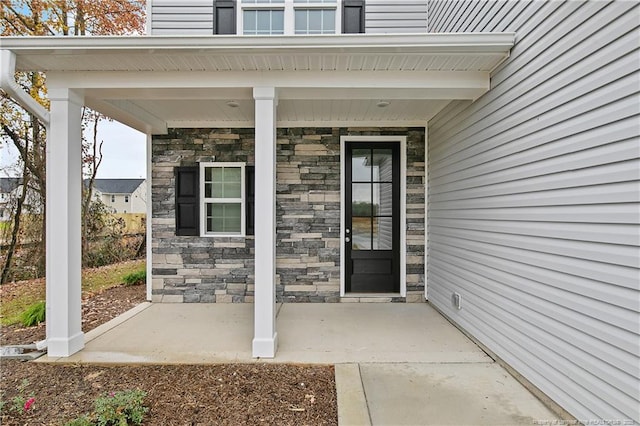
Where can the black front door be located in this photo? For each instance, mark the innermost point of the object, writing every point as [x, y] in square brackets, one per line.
[372, 217]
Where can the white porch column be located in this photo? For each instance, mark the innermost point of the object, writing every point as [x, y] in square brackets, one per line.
[265, 337]
[64, 263]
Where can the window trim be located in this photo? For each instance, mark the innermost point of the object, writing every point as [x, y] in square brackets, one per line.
[289, 7]
[203, 200]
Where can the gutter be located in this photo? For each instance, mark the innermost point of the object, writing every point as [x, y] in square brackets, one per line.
[326, 43]
[12, 88]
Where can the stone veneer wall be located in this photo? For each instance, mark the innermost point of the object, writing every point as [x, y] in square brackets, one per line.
[214, 269]
[308, 214]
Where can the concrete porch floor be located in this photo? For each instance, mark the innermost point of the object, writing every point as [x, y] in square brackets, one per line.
[395, 363]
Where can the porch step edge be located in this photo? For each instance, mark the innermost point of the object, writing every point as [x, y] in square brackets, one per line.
[352, 402]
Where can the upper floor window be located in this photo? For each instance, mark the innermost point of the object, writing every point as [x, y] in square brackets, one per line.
[317, 20]
[277, 17]
[126, 199]
[263, 22]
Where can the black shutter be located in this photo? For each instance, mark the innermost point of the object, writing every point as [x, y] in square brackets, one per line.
[224, 17]
[250, 199]
[187, 204]
[352, 16]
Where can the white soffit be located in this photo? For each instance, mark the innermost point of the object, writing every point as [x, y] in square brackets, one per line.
[292, 113]
[354, 52]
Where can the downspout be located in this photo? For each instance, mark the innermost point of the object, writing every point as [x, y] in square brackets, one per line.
[12, 88]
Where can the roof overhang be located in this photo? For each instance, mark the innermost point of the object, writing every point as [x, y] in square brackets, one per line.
[155, 82]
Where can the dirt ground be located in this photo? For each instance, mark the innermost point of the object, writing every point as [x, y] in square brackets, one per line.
[229, 394]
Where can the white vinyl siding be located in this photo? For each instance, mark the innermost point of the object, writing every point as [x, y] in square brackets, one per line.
[533, 200]
[181, 17]
[195, 17]
[395, 16]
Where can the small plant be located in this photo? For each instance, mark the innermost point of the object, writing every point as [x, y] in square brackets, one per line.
[21, 403]
[81, 421]
[135, 278]
[34, 314]
[120, 408]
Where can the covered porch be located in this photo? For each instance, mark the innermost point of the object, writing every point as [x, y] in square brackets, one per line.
[324, 333]
[155, 84]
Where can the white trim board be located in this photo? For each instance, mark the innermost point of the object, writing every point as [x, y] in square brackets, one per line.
[149, 222]
[402, 140]
[426, 210]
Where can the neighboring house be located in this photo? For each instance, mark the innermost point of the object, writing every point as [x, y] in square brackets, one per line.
[122, 195]
[480, 154]
[8, 192]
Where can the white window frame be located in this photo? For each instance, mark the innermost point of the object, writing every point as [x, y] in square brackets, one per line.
[204, 201]
[289, 8]
[260, 6]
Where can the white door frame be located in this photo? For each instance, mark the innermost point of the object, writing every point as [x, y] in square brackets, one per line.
[402, 140]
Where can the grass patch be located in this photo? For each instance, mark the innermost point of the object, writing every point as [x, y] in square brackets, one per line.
[12, 308]
[135, 278]
[33, 315]
[95, 280]
[27, 293]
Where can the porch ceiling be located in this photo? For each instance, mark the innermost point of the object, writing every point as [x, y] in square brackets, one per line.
[154, 82]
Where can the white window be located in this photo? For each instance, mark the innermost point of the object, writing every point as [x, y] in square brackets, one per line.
[126, 199]
[222, 191]
[315, 16]
[113, 198]
[262, 17]
[276, 17]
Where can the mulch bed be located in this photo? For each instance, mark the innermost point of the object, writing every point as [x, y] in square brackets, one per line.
[229, 394]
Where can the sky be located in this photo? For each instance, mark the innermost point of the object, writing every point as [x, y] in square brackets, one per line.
[124, 153]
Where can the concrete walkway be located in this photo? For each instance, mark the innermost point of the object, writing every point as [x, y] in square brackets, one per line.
[396, 364]
[435, 394]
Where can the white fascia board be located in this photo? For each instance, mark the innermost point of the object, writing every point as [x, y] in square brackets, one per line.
[281, 79]
[330, 43]
[470, 91]
[182, 124]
